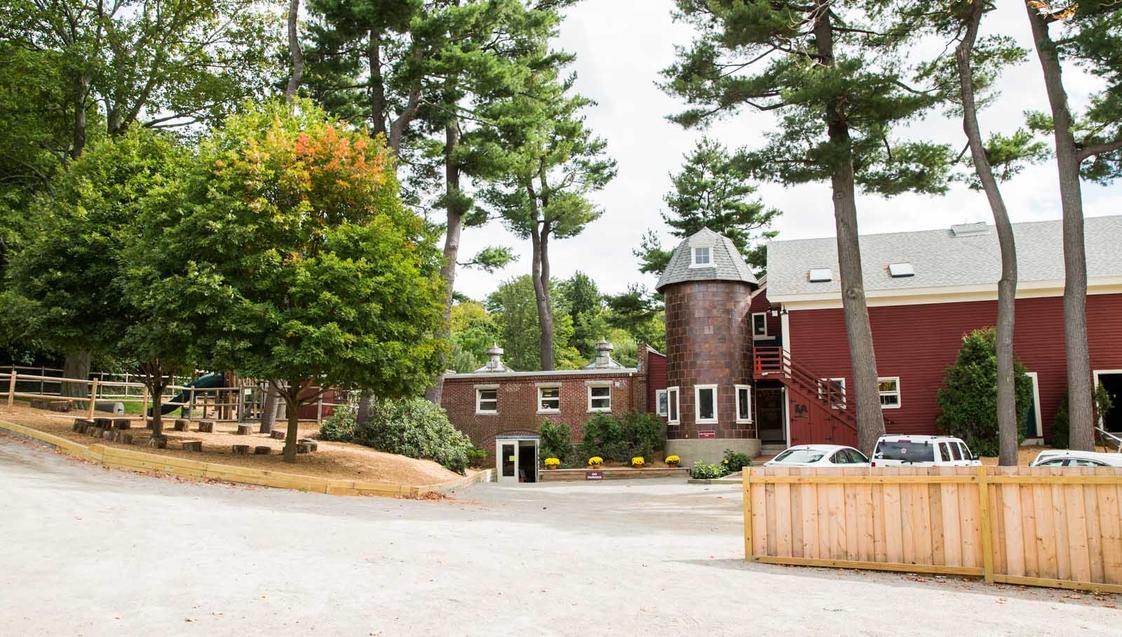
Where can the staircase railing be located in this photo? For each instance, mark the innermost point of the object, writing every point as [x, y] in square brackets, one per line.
[775, 362]
[1109, 438]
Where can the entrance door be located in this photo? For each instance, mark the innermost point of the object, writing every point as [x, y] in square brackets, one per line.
[516, 459]
[769, 414]
[1111, 380]
[507, 460]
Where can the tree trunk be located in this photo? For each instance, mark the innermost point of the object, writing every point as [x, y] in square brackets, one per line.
[76, 365]
[156, 390]
[292, 403]
[1079, 390]
[540, 275]
[269, 409]
[870, 420]
[1007, 286]
[78, 143]
[455, 223]
[294, 50]
[377, 84]
[362, 411]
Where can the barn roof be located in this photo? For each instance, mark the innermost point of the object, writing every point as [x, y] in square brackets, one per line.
[965, 256]
[727, 262]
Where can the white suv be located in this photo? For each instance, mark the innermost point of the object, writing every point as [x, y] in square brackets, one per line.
[923, 451]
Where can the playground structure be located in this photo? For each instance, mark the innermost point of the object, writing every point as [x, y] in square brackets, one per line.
[215, 396]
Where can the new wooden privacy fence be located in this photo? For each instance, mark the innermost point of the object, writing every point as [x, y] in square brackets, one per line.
[1018, 525]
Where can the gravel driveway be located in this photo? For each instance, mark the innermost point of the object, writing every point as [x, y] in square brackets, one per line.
[88, 551]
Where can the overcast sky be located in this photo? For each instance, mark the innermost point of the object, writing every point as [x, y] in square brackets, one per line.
[622, 45]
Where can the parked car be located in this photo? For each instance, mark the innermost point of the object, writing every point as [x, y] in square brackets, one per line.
[819, 456]
[923, 451]
[1064, 458]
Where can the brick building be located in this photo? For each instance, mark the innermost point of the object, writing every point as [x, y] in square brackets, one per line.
[751, 363]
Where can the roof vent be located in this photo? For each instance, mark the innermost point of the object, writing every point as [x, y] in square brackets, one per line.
[496, 363]
[901, 270]
[820, 275]
[970, 229]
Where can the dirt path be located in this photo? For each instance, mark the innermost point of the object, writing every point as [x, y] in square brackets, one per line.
[93, 552]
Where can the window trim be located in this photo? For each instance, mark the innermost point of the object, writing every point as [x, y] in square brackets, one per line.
[899, 395]
[661, 394]
[479, 389]
[736, 392]
[674, 419]
[543, 410]
[760, 337]
[697, 389]
[599, 410]
[708, 259]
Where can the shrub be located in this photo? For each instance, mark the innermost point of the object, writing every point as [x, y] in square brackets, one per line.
[622, 438]
[340, 425]
[556, 441]
[735, 461]
[416, 428]
[477, 457]
[1059, 437]
[643, 434]
[968, 397]
[706, 471]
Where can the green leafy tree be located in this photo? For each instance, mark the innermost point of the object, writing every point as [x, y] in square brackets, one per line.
[968, 398]
[639, 314]
[474, 331]
[832, 75]
[1088, 145]
[514, 309]
[302, 261]
[713, 191]
[580, 298]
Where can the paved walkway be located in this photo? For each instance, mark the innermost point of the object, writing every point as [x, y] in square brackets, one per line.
[88, 551]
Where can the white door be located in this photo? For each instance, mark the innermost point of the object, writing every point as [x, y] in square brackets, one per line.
[506, 460]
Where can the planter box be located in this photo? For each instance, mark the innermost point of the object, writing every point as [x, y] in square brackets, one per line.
[612, 473]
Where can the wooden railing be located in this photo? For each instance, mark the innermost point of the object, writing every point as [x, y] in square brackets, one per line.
[775, 363]
[1055, 527]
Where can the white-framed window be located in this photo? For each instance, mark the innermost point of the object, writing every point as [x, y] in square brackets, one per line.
[889, 388]
[759, 325]
[487, 400]
[600, 397]
[743, 403]
[549, 399]
[673, 405]
[836, 386]
[662, 403]
[705, 404]
[702, 257]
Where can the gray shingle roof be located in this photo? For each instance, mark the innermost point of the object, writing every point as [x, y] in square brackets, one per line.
[941, 259]
[728, 264]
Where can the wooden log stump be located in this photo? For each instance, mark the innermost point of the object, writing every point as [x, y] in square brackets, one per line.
[276, 435]
[125, 438]
[206, 426]
[181, 424]
[158, 442]
[244, 430]
[262, 451]
[240, 450]
[312, 444]
[121, 423]
[80, 424]
[305, 447]
[191, 445]
[109, 434]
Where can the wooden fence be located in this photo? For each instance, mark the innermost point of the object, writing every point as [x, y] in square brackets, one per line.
[1017, 525]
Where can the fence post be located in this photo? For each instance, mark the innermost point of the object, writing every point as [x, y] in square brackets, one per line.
[747, 513]
[987, 538]
[144, 405]
[12, 390]
[93, 399]
[319, 409]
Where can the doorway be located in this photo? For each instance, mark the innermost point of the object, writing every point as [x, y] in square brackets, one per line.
[1033, 427]
[769, 415]
[516, 459]
[1111, 380]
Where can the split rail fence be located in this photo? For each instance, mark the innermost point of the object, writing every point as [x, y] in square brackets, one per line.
[1049, 527]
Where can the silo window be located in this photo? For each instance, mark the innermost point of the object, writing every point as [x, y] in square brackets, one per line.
[705, 403]
[701, 257]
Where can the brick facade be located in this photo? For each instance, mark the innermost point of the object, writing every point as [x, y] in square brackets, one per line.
[708, 342]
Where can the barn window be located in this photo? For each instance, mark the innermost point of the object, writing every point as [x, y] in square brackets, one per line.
[743, 404]
[549, 399]
[705, 404]
[701, 258]
[600, 397]
[889, 389]
[672, 406]
[662, 403]
[759, 325]
[486, 400]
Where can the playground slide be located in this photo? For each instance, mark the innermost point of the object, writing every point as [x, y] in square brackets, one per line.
[206, 381]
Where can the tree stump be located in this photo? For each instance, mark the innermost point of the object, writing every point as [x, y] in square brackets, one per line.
[109, 434]
[276, 435]
[121, 423]
[80, 424]
[312, 444]
[240, 450]
[191, 445]
[103, 423]
[124, 438]
[180, 424]
[244, 430]
[262, 451]
[158, 442]
[305, 446]
[206, 426]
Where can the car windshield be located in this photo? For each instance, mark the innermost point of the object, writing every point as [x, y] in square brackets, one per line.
[799, 456]
[905, 451]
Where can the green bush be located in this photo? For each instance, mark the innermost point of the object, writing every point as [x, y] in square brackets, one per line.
[734, 461]
[706, 471]
[416, 428]
[621, 438]
[340, 425]
[1059, 437]
[643, 434]
[477, 457]
[968, 397]
[557, 441]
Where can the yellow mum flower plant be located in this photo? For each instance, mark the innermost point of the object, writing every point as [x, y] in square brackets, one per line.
[673, 461]
[638, 461]
[595, 461]
[552, 463]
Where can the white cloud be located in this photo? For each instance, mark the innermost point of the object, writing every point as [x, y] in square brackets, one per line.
[622, 45]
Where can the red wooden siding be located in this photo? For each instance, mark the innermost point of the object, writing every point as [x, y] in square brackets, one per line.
[761, 304]
[656, 378]
[918, 342]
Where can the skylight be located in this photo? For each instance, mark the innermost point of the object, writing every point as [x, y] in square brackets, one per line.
[900, 270]
[970, 229]
[820, 275]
